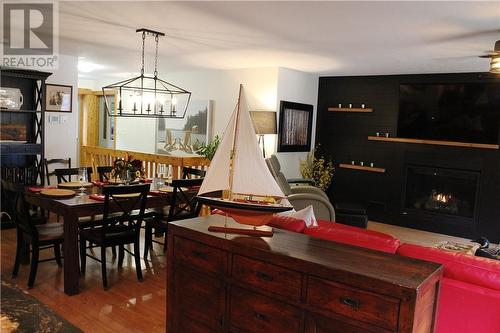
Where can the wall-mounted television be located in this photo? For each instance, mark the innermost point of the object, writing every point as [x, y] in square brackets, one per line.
[463, 112]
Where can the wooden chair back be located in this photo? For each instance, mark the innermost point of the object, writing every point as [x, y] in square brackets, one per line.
[188, 173]
[104, 172]
[183, 204]
[131, 202]
[22, 219]
[64, 175]
[66, 162]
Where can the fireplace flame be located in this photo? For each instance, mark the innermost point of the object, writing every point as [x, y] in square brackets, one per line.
[441, 197]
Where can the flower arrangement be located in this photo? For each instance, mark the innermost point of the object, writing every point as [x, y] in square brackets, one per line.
[208, 150]
[121, 166]
[318, 168]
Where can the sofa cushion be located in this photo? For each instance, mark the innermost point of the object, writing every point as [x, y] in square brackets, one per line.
[459, 266]
[306, 214]
[464, 307]
[354, 236]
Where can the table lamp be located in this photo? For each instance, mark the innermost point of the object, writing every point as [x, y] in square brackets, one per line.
[264, 123]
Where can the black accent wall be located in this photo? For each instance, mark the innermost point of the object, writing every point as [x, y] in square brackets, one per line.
[344, 137]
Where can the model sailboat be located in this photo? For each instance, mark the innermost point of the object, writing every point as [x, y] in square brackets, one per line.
[238, 172]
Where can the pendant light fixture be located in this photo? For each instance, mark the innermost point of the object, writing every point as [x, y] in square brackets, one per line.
[146, 96]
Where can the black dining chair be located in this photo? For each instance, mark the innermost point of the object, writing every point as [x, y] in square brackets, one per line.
[64, 175]
[188, 173]
[117, 229]
[47, 163]
[32, 237]
[104, 172]
[182, 206]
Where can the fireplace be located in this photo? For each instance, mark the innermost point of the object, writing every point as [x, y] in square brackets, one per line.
[441, 195]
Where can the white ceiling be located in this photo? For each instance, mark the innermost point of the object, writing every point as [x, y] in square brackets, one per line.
[334, 38]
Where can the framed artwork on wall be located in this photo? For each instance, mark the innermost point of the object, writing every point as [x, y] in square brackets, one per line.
[295, 126]
[58, 98]
[183, 137]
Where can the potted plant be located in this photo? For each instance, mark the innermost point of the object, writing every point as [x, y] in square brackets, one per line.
[208, 150]
[127, 169]
[318, 168]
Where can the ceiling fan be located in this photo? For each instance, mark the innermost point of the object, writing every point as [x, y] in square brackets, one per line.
[495, 58]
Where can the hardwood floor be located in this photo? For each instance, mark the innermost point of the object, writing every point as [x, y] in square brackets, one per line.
[128, 306]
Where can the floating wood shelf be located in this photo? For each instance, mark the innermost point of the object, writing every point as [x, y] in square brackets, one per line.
[359, 167]
[435, 142]
[362, 110]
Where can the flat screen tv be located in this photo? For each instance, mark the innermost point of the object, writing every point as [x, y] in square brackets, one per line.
[463, 112]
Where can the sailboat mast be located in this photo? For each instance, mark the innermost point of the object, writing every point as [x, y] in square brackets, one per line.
[233, 148]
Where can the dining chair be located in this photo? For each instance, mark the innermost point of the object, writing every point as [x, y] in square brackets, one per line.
[117, 229]
[188, 172]
[32, 237]
[182, 206]
[64, 175]
[104, 172]
[66, 162]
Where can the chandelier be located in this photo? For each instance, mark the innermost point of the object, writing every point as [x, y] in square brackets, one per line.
[145, 95]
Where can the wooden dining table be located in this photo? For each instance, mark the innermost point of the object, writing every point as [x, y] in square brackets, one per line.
[71, 210]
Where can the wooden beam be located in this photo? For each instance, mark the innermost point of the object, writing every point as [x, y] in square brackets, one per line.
[360, 167]
[360, 110]
[435, 142]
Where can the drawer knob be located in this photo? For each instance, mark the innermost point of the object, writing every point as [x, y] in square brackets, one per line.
[350, 302]
[260, 316]
[264, 276]
[201, 255]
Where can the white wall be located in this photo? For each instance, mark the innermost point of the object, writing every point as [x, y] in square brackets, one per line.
[298, 87]
[221, 86]
[61, 138]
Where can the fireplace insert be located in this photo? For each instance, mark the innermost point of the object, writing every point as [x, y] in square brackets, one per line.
[451, 194]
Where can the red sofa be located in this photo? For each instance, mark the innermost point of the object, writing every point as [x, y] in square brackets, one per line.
[469, 299]
[340, 233]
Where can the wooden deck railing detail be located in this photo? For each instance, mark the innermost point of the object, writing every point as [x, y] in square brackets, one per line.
[153, 164]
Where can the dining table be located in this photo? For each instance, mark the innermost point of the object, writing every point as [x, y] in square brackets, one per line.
[72, 209]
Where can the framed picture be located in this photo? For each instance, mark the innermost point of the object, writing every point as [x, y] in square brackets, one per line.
[183, 137]
[295, 126]
[58, 98]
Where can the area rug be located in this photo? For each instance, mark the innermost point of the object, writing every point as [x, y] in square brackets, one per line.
[21, 312]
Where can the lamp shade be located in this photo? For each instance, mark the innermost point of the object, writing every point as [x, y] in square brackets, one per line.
[264, 122]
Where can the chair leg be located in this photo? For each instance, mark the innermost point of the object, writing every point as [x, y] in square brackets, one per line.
[103, 267]
[83, 255]
[165, 237]
[113, 250]
[57, 254]
[17, 262]
[34, 265]
[121, 255]
[137, 256]
[148, 240]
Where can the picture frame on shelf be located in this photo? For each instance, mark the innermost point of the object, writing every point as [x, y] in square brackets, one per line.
[295, 127]
[58, 98]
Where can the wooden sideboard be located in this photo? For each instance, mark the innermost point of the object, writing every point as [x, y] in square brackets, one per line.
[291, 283]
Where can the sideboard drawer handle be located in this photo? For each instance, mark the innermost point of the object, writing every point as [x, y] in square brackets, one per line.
[350, 302]
[201, 255]
[264, 276]
[260, 316]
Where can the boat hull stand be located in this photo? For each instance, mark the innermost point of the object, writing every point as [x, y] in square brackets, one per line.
[253, 217]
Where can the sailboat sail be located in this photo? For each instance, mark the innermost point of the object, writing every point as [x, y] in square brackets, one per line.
[217, 177]
[250, 172]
